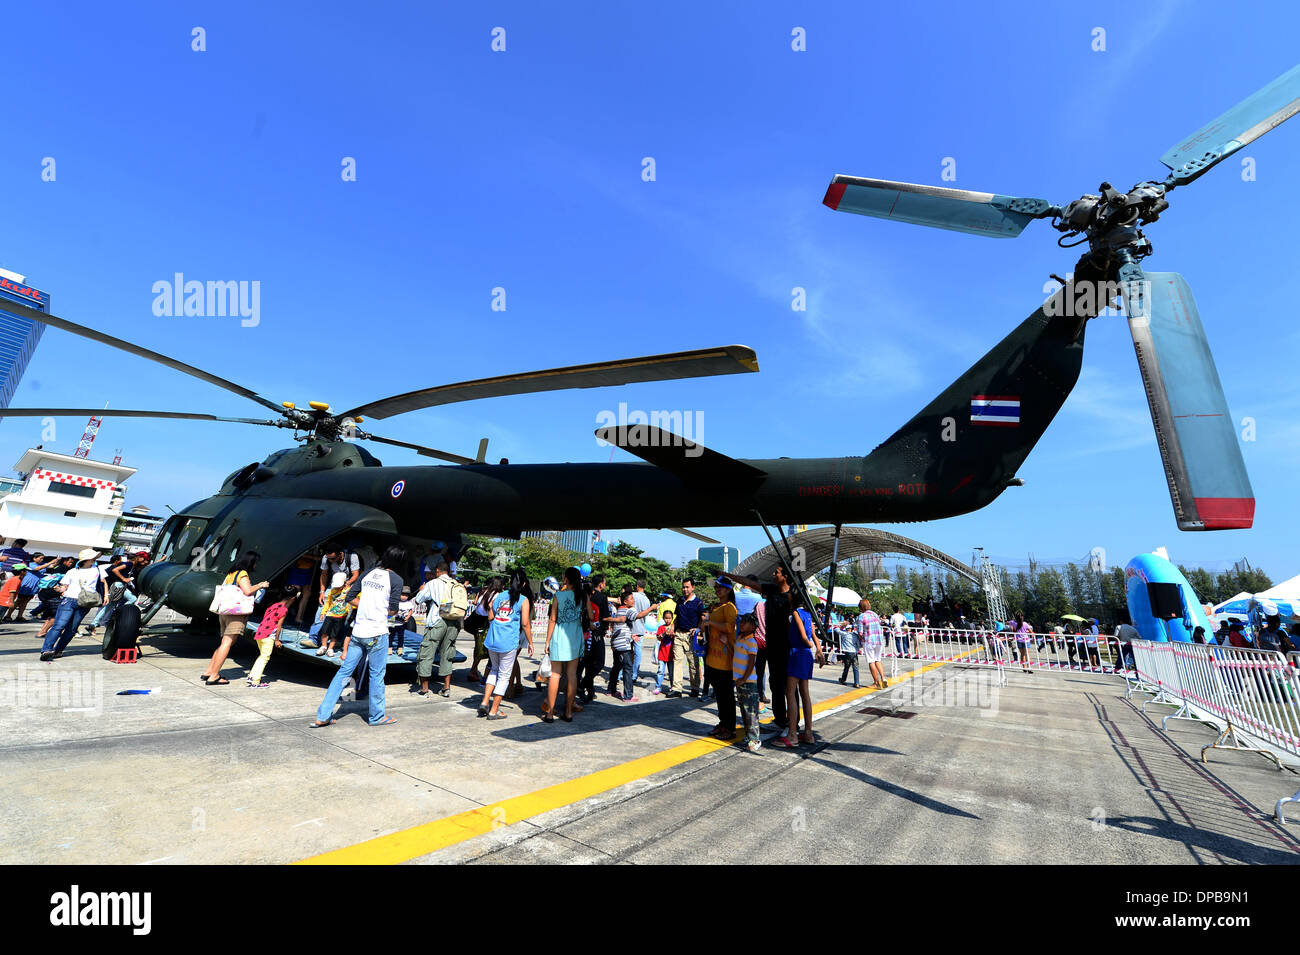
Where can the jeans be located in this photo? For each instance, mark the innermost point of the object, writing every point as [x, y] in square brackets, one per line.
[107, 611]
[314, 633]
[850, 660]
[377, 658]
[622, 665]
[659, 675]
[747, 694]
[900, 641]
[66, 620]
[637, 640]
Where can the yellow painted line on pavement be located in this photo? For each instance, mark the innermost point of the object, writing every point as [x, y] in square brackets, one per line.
[421, 840]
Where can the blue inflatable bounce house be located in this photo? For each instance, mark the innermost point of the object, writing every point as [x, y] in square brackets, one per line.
[1147, 569]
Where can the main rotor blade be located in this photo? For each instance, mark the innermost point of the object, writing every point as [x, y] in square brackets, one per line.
[1207, 477]
[700, 363]
[420, 449]
[959, 210]
[120, 413]
[1244, 123]
[54, 321]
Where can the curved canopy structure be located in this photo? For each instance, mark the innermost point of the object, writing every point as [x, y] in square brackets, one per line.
[818, 545]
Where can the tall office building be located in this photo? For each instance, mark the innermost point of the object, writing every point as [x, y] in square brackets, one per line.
[728, 557]
[577, 541]
[18, 336]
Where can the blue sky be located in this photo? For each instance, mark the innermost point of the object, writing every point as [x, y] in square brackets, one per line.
[522, 170]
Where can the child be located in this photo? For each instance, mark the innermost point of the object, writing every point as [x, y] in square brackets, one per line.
[699, 645]
[335, 618]
[849, 649]
[398, 622]
[665, 654]
[268, 634]
[621, 643]
[744, 656]
[9, 590]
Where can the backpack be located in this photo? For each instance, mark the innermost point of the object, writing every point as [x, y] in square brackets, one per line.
[454, 608]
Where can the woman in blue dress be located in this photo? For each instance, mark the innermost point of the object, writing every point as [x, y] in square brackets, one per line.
[805, 648]
[565, 628]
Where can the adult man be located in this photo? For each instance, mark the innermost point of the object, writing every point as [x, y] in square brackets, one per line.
[898, 623]
[594, 658]
[440, 634]
[685, 620]
[339, 570]
[376, 597]
[121, 589]
[642, 608]
[14, 554]
[337, 561]
[776, 613]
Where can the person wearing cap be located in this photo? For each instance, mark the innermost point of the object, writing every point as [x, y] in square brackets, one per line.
[9, 589]
[721, 640]
[81, 581]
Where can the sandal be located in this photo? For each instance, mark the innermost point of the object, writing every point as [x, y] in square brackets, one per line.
[444, 692]
[496, 716]
[482, 711]
[319, 725]
[786, 742]
[385, 721]
[548, 718]
[219, 681]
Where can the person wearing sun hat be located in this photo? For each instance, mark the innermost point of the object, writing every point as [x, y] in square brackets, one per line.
[81, 580]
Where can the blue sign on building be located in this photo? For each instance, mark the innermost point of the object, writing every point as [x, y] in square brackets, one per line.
[18, 336]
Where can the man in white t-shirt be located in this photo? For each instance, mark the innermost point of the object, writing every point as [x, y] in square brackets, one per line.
[376, 597]
[898, 623]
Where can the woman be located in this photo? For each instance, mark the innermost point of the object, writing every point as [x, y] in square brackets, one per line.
[476, 622]
[231, 625]
[82, 580]
[510, 619]
[1024, 634]
[567, 622]
[804, 649]
[721, 636]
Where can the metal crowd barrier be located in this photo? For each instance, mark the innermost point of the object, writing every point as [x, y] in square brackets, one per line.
[1251, 697]
[1082, 653]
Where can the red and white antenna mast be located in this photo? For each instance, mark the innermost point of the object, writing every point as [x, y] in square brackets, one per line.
[88, 437]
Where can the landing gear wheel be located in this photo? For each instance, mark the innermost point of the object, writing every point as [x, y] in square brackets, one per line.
[122, 631]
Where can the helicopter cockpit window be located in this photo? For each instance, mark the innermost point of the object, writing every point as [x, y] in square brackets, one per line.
[186, 538]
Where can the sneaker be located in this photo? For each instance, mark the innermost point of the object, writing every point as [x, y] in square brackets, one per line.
[307, 643]
[258, 686]
[320, 652]
[753, 746]
[329, 653]
[656, 692]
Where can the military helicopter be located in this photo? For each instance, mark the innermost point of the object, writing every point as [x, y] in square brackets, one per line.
[958, 454]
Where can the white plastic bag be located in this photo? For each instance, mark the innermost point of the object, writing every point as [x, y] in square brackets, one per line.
[544, 668]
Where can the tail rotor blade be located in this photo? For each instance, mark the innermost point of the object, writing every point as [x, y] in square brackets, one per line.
[1244, 123]
[959, 210]
[1207, 477]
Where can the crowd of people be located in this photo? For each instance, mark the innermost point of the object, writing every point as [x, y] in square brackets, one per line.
[67, 589]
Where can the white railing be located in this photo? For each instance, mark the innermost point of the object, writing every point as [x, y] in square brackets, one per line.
[1251, 697]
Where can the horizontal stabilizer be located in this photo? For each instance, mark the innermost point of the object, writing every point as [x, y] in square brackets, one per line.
[689, 460]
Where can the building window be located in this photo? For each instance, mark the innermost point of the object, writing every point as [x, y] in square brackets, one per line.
[76, 490]
[69, 513]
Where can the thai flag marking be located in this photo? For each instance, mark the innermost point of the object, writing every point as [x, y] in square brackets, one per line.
[997, 410]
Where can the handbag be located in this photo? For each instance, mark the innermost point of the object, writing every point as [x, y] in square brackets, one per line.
[230, 599]
[88, 598]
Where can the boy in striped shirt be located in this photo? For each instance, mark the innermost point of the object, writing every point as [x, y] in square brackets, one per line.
[744, 656]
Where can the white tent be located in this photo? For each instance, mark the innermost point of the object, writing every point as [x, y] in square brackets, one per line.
[1286, 590]
[1242, 599]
